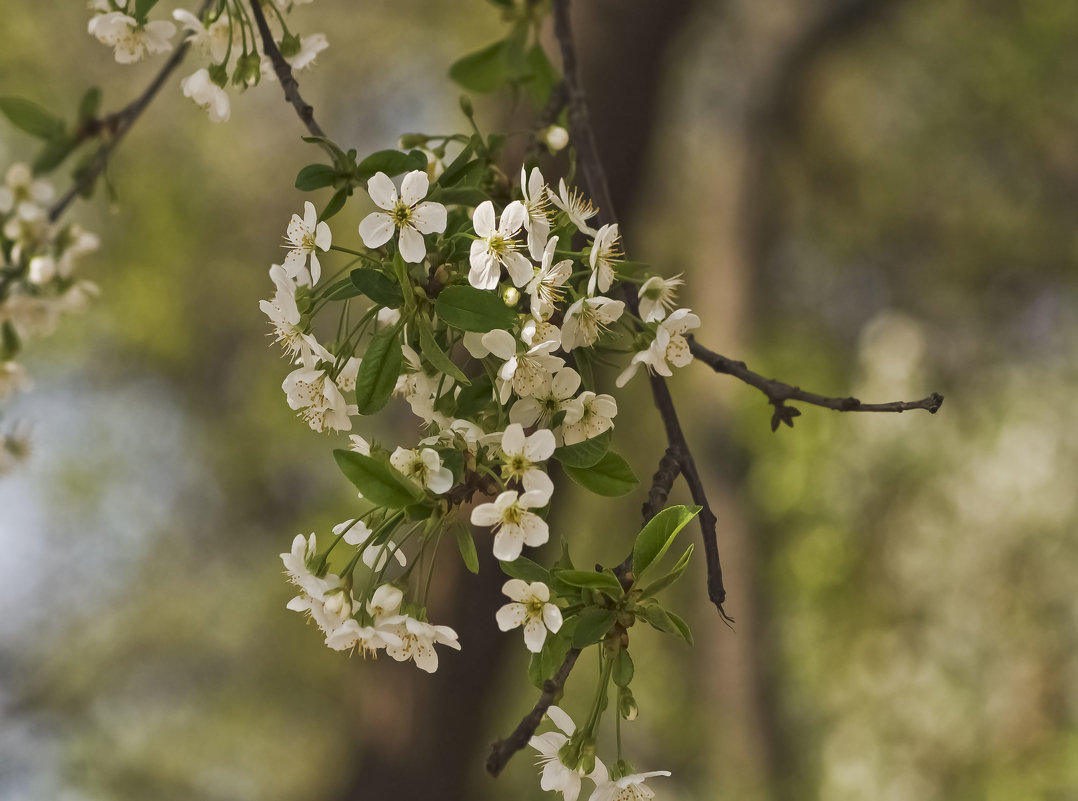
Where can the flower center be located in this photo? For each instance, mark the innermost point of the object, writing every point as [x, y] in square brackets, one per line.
[401, 214]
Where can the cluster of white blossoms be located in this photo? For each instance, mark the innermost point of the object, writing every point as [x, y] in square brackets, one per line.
[38, 281]
[225, 36]
[490, 374]
[566, 779]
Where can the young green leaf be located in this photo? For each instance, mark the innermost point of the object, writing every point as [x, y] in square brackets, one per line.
[471, 309]
[379, 371]
[586, 579]
[142, 8]
[542, 77]
[377, 286]
[342, 290]
[456, 167]
[474, 398]
[433, 353]
[52, 155]
[611, 476]
[315, 176]
[391, 162]
[336, 203]
[524, 568]
[466, 546]
[661, 584]
[592, 625]
[586, 453]
[379, 482]
[482, 71]
[90, 104]
[682, 627]
[656, 537]
[32, 118]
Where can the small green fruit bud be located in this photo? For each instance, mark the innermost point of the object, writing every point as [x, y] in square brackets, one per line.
[466, 106]
[627, 707]
[290, 45]
[413, 140]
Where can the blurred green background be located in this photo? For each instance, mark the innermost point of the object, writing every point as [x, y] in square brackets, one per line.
[873, 197]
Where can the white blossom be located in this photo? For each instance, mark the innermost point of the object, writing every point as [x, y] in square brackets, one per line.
[496, 247]
[283, 311]
[310, 390]
[555, 395]
[530, 608]
[306, 235]
[131, 41]
[207, 95]
[521, 456]
[211, 41]
[557, 776]
[669, 345]
[406, 213]
[536, 221]
[578, 208]
[418, 640]
[657, 297]
[605, 252]
[309, 47]
[423, 466]
[515, 525]
[596, 413]
[545, 289]
[627, 788]
[20, 186]
[587, 319]
[356, 533]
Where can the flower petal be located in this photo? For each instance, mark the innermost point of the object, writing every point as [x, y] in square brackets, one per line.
[376, 229]
[429, 218]
[414, 187]
[510, 616]
[483, 220]
[382, 191]
[413, 249]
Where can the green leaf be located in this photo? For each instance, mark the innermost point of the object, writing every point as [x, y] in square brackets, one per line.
[661, 584]
[391, 162]
[52, 155]
[468, 196]
[473, 399]
[471, 309]
[656, 617]
[623, 669]
[342, 290]
[454, 461]
[586, 579]
[611, 476]
[433, 353]
[466, 546]
[90, 104]
[682, 627]
[315, 176]
[542, 77]
[336, 203]
[379, 482]
[657, 536]
[32, 118]
[379, 371]
[585, 368]
[592, 625]
[482, 71]
[452, 173]
[586, 453]
[525, 569]
[377, 286]
[542, 665]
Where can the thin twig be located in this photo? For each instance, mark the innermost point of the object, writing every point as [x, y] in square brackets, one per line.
[284, 73]
[778, 392]
[115, 126]
[595, 180]
[503, 750]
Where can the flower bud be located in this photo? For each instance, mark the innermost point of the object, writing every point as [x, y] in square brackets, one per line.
[290, 45]
[627, 707]
[413, 140]
[555, 137]
[511, 296]
[466, 106]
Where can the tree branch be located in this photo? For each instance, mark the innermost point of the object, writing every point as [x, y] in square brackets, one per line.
[778, 393]
[502, 751]
[595, 180]
[284, 73]
[115, 126]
